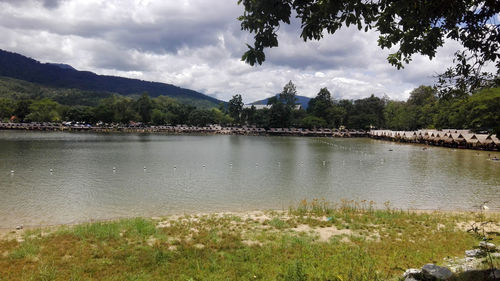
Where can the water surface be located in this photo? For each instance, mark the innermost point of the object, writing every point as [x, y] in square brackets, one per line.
[225, 173]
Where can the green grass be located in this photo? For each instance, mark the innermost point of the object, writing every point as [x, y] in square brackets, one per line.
[379, 245]
[28, 249]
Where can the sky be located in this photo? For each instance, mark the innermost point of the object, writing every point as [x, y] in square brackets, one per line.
[198, 44]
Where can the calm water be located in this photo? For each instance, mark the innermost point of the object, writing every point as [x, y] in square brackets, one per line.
[225, 173]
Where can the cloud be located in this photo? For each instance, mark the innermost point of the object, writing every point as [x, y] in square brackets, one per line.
[50, 4]
[198, 44]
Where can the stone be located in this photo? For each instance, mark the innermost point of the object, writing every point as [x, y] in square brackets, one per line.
[410, 279]
[412, 272]
[19, 227]
[487, 245]
[434, 272]
[474, 253]
[495, 275]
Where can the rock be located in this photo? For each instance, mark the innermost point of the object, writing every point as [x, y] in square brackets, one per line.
[487, 245]
[495, 275]
[434, 272]
[474, 253]
[412, 272]
[495, 255]
[410, 279]
[19, 227]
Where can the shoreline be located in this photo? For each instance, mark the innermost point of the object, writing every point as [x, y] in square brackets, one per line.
[4, 230]
[432, 138]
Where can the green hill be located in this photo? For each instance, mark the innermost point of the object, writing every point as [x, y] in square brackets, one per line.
[69, 86]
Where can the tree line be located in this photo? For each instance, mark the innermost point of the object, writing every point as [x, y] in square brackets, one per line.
[425, 108]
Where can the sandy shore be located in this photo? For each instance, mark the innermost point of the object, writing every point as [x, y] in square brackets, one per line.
[261, 216]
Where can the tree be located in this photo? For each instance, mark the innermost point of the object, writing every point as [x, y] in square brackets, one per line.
[158, 117]
[79, 113]
[22, 108]
[319, 105]
[413, 27]
[201, 117]
[311, 122]
[248, 115]
[366, 112]
[422, 95]
[235, 107]
[289, 95]
[219, 117]
[144, 107]
[7, 107]
[45, 110]
[280, 115]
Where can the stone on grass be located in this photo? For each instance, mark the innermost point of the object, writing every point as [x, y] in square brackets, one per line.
[410, 279]
[474, 253]
[434, 272]
[412, 272]
[487, 245]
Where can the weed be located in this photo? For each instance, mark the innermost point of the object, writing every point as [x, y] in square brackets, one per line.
[295, 272]
[278, 223]
[27, 249]
[98, 230]
[47, 272]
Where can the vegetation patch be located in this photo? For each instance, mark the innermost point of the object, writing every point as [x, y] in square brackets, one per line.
[314, 241]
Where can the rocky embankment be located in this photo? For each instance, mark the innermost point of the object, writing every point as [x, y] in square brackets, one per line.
[469, 268]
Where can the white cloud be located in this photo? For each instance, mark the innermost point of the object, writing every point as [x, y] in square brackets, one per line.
[198, 44]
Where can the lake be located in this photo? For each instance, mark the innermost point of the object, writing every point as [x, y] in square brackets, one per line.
[72, 177]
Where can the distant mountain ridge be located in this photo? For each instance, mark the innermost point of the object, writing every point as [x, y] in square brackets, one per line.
[65, 76]
[302, 100]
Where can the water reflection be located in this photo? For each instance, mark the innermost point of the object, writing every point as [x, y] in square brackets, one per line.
[83, 184]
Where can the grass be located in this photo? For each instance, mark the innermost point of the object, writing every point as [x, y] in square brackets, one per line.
[374, 245]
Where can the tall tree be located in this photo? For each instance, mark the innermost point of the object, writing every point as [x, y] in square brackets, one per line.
[235, 107]
[320, 105]
[289, 95]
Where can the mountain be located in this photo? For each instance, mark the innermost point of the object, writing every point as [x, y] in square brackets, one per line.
[64, 76]
[62, 65]
[303, 101]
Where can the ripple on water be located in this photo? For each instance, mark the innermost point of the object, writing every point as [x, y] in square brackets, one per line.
[84, 186]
